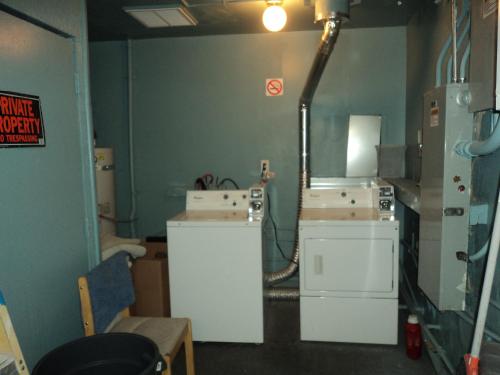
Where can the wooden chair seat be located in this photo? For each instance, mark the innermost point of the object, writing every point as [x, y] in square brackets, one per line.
[167, 333]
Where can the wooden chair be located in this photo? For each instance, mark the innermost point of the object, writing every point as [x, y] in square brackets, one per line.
[9, 346]
[168, 333]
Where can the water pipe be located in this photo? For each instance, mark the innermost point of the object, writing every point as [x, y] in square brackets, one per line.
[495, 304]
[472, 358]
[438, 350]
[131, 142]
[480, 254]
[469, 319]
[86, 127]
[470, 149]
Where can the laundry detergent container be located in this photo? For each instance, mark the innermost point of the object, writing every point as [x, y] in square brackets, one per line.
[104, 354]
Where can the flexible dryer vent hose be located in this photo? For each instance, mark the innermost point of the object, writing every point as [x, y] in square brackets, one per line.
[328, 39]
[282, 294]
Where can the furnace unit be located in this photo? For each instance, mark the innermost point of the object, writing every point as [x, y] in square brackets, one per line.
[445, 197]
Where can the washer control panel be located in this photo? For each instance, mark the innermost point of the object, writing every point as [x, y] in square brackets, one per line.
[257, 206]
[217, 200]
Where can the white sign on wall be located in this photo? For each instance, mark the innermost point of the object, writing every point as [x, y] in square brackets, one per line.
[274, 86]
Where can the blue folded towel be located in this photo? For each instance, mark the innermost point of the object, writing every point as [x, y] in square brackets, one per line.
[111, 289]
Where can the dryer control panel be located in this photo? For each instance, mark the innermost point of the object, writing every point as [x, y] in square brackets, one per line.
[386, 199]
[351, 193]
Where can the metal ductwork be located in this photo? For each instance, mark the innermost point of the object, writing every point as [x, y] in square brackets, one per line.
[331, 13]
[325, 10]
[282, 294]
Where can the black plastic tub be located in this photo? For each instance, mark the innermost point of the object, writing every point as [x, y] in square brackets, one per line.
[105, 354]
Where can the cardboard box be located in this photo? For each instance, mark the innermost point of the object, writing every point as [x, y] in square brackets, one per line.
[150, 275]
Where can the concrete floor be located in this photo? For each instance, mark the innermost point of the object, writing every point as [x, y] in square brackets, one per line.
[284, 354]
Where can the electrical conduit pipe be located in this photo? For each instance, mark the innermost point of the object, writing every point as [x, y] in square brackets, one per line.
[459, 45]
[447, 44]
[470, 149]
[465, 60]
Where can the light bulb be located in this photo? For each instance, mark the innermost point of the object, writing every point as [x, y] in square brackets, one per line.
[274, 18]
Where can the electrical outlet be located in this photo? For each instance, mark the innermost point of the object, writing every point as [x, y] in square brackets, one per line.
[264, 167]
[265, 170]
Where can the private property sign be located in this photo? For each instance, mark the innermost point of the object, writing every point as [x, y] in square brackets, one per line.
[21, 122]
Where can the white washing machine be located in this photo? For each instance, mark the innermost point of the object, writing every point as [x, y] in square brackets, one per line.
[215, 265]
[349, 262]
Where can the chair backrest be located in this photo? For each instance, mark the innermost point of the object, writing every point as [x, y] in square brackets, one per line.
[86, 306]
[105, 292]
[9, 346]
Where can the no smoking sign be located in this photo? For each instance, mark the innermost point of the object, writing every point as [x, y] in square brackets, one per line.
[274, 87]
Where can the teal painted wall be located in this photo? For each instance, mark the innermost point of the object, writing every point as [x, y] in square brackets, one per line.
[109, 80]
[427, 32]
[199, 106]
[49, 225]
[63, 15]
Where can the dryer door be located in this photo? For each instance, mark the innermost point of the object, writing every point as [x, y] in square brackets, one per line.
[349, 265]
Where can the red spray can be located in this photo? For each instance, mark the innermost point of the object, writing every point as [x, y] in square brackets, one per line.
[413, 337]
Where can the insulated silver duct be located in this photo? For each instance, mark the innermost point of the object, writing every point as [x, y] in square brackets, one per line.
[331, 12]
[325, 10]
[282, 294]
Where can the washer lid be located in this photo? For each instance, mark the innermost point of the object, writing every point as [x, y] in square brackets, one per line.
[205, 217]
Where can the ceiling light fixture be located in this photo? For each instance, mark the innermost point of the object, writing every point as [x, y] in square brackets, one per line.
[274, 17]
[162, 15]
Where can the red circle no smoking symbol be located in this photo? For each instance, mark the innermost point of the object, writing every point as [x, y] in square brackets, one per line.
[274, 87]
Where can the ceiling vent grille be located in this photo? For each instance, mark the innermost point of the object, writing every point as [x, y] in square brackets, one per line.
[162, 16]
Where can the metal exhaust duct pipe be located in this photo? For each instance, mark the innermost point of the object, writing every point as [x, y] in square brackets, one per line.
[331, 13]
[325, 10]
